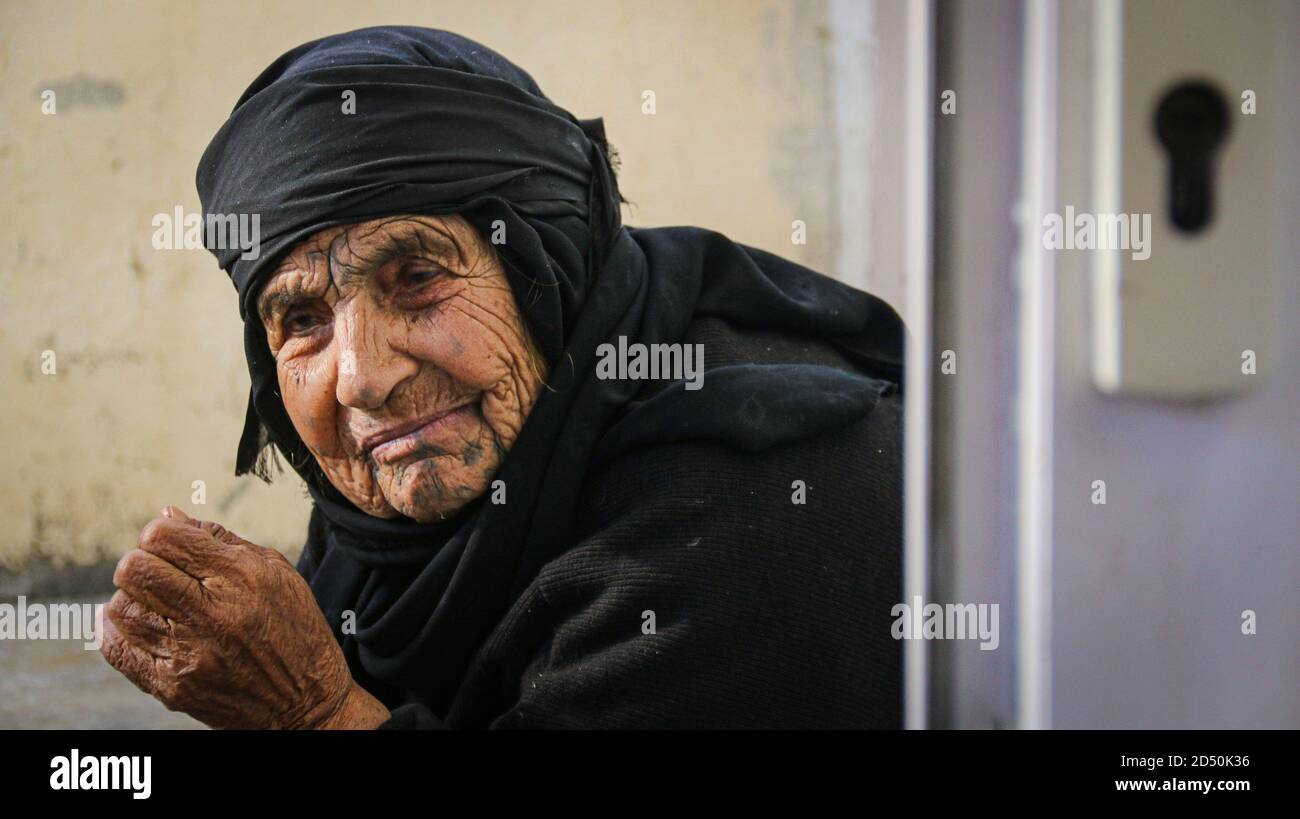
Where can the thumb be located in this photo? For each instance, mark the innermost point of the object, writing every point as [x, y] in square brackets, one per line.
[175, 513]
[218, 531]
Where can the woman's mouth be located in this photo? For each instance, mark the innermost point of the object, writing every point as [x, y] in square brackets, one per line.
[405, 440]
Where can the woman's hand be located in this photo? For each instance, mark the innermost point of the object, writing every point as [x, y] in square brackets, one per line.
[228, 632]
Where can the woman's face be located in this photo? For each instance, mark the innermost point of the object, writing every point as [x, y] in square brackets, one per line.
[403, 361]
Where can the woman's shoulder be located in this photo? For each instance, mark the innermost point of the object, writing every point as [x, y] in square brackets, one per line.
[842, 486]
[676, 497]
[694, 509]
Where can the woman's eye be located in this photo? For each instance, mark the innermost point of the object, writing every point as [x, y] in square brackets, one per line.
[418, 276]
[297, 323]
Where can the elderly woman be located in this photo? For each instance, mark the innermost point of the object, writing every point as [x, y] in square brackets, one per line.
[519, 520]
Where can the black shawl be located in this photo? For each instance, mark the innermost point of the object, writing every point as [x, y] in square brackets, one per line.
[444, 125]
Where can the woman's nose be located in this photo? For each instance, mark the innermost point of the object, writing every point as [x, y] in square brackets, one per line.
[370, 369]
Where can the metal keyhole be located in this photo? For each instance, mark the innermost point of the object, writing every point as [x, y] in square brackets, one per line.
[1191, 123]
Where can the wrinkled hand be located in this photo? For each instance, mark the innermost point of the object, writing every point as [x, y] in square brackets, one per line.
[227, 632]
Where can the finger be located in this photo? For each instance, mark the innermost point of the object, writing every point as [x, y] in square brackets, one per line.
[218, 531]
[138, 622]
[134, 663]
[184, 545]
[159, 585]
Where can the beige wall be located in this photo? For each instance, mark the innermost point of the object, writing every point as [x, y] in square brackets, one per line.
[150, 387]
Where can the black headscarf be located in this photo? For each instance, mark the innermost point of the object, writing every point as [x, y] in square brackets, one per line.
[444, 125]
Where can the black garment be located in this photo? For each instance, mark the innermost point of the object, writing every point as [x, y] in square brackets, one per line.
[445, 125]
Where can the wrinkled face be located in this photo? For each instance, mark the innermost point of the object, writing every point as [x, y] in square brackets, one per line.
[403, 361]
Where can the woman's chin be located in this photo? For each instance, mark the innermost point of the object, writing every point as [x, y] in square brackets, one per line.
[428, 492]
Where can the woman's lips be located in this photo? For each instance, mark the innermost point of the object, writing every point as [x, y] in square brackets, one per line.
[423, 436]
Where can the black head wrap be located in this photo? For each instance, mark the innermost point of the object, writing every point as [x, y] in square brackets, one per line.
[443, 125]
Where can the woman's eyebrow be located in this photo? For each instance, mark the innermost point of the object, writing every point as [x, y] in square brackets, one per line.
[277, 302]
[417, 243]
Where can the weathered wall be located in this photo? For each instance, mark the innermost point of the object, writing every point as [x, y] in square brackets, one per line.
[149, 391]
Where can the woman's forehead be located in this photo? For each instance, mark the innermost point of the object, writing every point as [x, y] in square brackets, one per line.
[359, 248]
[355, 242]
